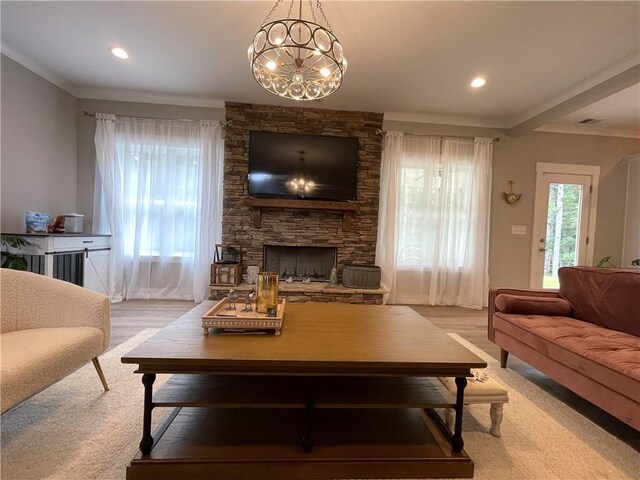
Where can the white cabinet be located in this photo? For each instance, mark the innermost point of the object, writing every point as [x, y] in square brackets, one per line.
[63, 251]
[96, 271]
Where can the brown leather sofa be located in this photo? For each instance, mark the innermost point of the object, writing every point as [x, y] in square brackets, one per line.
[586, 335]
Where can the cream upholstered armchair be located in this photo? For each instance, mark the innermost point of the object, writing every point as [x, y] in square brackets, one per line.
[50, 328]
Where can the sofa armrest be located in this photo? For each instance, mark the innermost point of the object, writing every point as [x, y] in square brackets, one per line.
[36, 301]
[529, 292]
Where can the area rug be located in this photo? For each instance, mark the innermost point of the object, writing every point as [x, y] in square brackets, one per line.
[542, 438]
[73, 430]
[76, 430]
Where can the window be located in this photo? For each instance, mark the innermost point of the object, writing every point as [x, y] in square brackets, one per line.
[433, 194]
[160, 195]
[434, 219]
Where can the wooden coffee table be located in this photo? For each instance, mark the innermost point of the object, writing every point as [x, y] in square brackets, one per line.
[346, 391]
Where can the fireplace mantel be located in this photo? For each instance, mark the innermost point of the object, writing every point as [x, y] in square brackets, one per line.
[257, 204]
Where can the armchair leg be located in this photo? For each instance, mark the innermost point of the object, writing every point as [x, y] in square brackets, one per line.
[503, 357]
[96, 364]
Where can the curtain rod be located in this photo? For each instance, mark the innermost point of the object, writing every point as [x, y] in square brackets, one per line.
[85, 113]
[382, 132]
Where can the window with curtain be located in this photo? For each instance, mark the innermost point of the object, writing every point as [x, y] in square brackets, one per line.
[433, 223]
[423, 200]
[160, 196]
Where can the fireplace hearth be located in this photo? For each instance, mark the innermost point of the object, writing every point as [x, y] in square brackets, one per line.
[300, 263]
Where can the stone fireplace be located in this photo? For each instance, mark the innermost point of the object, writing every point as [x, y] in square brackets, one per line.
[353, 241]
[300, 263]
[289, 226]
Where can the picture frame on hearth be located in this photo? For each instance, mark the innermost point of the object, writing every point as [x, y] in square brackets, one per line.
[227, 254]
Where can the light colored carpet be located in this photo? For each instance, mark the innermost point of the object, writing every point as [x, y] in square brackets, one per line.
[73, 430]
[542, 438]
[76, 430]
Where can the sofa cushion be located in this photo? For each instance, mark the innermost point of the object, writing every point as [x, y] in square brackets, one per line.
[607, 356]
[34, 359]
[526, 305]
[609, 297]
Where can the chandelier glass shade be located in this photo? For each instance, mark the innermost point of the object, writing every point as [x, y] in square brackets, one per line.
[296, 58]
[301, 186]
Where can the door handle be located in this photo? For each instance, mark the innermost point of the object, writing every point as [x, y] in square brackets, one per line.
[542, 249]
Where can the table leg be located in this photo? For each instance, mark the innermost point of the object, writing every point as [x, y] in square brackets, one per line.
[147, 440]
[457, 441]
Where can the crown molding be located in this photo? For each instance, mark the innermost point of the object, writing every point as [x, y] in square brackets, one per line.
[149, 97]
[442, 119]
[107, 93]
[429, 118]
[39, 69]
[586, 130]
[602, 76]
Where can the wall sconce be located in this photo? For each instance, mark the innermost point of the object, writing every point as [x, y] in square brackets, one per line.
[511, 197]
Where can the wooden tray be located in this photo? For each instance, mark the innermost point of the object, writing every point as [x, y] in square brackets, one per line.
[237, 321]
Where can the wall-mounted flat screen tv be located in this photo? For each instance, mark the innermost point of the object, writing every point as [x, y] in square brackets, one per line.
[302, 166]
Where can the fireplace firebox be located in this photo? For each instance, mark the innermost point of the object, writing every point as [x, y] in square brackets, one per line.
[300, 263]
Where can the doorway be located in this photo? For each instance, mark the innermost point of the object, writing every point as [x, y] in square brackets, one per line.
[564, 220]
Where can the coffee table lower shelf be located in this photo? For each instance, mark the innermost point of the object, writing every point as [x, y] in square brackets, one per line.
[250, 444]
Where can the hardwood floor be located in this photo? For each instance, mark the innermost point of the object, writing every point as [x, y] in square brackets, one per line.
[133, 316]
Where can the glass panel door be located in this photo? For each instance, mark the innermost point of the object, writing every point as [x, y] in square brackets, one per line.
[562, 244]
[561, 226]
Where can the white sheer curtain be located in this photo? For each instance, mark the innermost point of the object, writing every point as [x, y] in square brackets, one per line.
[162, 197]
[434, 220]
[474, 277]
[388, 211]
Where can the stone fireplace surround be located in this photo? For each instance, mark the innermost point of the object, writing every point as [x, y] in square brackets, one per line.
[291, 227]
[355, 243]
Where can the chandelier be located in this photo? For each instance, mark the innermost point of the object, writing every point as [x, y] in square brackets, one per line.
[299, 184]
[296, 58]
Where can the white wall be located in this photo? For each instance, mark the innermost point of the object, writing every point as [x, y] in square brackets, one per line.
[515, 158]
[48, 164]
[86, 152]
[38, 146]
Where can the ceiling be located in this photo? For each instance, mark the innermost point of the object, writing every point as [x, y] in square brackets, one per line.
[618, 111]
[414, 58]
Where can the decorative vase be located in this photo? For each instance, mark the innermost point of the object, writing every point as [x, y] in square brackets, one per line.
[267, 292]
[252, 274]
[333, 279]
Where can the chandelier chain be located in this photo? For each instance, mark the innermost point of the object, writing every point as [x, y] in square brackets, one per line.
[323, 15]
[290, 9]
[313, 13]
[273, 9]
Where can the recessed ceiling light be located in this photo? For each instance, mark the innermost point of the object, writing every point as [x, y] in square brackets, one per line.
[119, 52]
[478, 82]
